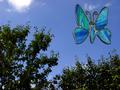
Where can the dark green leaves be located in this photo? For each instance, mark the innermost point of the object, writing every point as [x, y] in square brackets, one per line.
[92, 76]
[21, 62]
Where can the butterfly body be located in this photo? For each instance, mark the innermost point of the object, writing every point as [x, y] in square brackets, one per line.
[91, 27]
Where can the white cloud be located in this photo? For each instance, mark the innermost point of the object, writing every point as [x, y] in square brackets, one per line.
[89, 7]
[108, 4]
[20, 5]
[9, 10]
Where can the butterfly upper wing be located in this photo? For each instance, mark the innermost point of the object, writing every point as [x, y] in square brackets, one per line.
[102, 19]
[105, 36]
[81, 32]
[82, 19]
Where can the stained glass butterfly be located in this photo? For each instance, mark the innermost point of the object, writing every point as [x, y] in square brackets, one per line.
[91, 26]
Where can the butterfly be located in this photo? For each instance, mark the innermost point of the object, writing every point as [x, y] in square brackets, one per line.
[91, 27]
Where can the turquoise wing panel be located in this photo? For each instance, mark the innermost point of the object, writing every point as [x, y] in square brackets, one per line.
[92, 34]
[80, 34]
[105, 36]
[82, 19]
[102, 19]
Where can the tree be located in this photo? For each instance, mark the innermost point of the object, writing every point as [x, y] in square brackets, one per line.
[72, 78]
[104, 75]
[24, 64]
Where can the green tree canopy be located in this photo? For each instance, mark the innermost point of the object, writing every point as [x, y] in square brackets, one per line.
[23, 64]
[104, 75]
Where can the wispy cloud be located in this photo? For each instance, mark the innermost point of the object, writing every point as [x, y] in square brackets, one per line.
[90, 7]
[19, 5]
[108, 4]
[42, 3]
[1, 0]
[9, 10]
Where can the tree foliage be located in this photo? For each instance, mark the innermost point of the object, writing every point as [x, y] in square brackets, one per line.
[23, 63]
[104, 75]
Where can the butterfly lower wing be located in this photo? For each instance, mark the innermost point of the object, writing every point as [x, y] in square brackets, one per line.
[92, 35]
[105, 36]
[80, 34]
[81, 17]
[102, 19]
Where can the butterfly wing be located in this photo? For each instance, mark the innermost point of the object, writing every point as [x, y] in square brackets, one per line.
[103, 33]
[105, 36]
[82, 19]
[81, 32]
[92, 34]
[102, 19]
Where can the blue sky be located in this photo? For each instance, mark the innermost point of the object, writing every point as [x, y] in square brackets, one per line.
[59, 16]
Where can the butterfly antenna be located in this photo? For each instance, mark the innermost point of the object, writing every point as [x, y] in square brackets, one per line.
[88, 14]
[94, 16]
